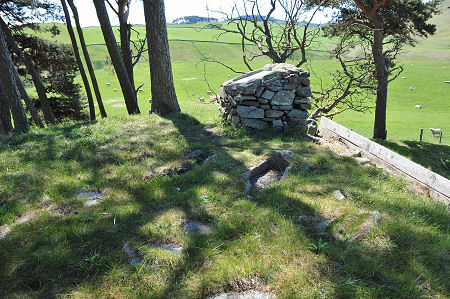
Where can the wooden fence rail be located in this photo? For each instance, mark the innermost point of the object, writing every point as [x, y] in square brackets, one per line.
[438, 186]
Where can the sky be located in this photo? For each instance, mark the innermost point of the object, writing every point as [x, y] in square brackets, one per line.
[174, 9]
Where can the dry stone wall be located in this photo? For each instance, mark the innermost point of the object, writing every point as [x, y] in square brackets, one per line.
[274, 96]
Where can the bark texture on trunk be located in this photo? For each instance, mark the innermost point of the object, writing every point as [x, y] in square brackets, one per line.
[40, 89]
[79, 62]
[5, 114]
[125, 46]
[9, 86]
[379, 128]
[87, 59]
[116, 58]
[164, 98]
[28, 102]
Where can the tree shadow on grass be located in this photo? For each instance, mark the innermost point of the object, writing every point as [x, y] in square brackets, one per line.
[56, 256]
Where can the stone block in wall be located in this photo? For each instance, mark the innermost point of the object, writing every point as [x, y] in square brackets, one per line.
[263, 101]
[277, 123]
[303, 91]
[282, 107]
[273, 113]
[274, 86]
[250, 112]
[254, 123]
[249, 103]
[267, 95]
[283, 97]
[302, 101]
[264, 107]
[235, 119]
[305, 106]
[289, 86]
[296, 114]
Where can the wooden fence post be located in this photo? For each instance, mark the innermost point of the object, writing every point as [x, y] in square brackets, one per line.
[440, 138]
[421, 134]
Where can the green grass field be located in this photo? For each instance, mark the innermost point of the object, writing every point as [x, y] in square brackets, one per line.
[427, 66]
[383, 240]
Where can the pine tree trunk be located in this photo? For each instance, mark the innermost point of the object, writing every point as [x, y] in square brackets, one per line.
[79, 62]
[28, 102]
[5, 115]
[10, 90]
[40, 89]
[164, 98]
[379, 129]
[87, 58]
[116, 58]
[123, 12]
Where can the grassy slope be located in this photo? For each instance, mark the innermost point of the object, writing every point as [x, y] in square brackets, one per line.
[404, 121]
[255, 243]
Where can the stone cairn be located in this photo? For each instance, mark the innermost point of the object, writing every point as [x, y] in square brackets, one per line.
[274, 96]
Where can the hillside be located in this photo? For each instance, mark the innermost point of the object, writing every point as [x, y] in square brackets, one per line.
[75, 211]
[437, 46]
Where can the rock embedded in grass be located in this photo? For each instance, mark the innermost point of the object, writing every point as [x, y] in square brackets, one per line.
[338, 195]
[250, 294]
[274, 168]
[197, 228]
[91, 198]
[133, 255]
[177, 250]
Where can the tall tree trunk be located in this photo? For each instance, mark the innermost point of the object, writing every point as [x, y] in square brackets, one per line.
[5, 115]
[40, 89]
[379, 129]
[125, 36]
[9, 86]
[79, 62]
[87, 58]
[164, 98]
[116, 58]
[28, 102]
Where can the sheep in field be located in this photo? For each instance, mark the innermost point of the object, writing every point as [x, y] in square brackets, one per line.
[141, 90]
[108, 84]
[411, 88]
[115, 89]
[436, 131]
[419, 106]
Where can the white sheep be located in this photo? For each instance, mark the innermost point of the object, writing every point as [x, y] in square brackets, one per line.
[411, 88]
[115, 89]
[208, 91]
[403, 77]
[436, 131]
[448, 82]
[141, 90]
[419, 106]
[108, 84]
[229, 76]
[201, 99]
[150, 101]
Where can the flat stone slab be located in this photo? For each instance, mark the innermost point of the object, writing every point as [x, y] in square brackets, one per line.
[252, 294]
[338, 195]
[4, 230]
[168, 247]
[91, 198]
[133, 254]
[362, 160]
[197, 228]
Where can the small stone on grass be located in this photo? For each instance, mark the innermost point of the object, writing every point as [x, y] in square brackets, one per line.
[197, 228]
[90, 198]
[169, 247]
[338, 195]
[133, 254]
[251, 294]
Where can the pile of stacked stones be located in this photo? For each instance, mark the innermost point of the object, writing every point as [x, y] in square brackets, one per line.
[274, 96]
